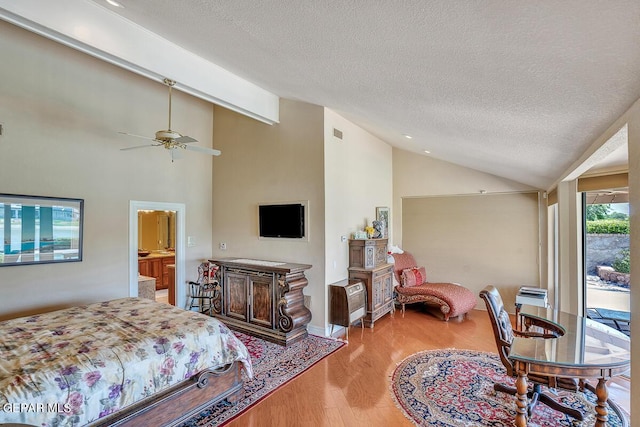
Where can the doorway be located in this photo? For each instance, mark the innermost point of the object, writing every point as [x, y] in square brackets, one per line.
[171, 240]
[156, 254]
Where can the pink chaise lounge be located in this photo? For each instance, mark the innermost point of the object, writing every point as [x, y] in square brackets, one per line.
[450, 299]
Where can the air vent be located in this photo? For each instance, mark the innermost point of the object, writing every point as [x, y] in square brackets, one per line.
[337, 133]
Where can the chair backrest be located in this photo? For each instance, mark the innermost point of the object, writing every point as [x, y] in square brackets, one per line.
[204, 285]
[401, 262]
[206, 273]
[501, 323]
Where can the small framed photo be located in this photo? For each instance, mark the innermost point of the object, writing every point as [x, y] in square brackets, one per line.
[382, 214]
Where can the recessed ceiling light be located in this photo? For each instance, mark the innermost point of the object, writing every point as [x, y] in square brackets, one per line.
[427, 151]
[408, 136]
[114, 3]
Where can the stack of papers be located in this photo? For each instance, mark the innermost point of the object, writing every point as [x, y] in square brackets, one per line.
[532, 296]
[527, 290]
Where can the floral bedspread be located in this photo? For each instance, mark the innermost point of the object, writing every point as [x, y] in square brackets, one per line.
[73, 366]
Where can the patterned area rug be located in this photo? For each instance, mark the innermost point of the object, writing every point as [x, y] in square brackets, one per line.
[447, 388]
[273, 366]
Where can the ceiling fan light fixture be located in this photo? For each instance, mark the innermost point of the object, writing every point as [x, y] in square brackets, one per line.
[167, 135]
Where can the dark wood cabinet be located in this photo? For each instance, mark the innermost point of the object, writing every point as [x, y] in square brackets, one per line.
[166, 277]
[156, 267]
[262, 298]
[151, 267]
[377, 278]
[248, 297]
[347, 303]
[171, 273]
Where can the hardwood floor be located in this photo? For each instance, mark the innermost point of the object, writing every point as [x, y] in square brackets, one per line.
[351, 386]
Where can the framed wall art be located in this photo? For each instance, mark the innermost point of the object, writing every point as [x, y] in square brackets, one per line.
[37, 229]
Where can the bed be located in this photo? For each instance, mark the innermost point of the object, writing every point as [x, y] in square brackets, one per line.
[125, 362]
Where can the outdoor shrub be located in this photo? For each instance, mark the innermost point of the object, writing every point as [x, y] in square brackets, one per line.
[621, 264]
[608, 226]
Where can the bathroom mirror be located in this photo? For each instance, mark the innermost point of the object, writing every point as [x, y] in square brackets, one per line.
[156, 230]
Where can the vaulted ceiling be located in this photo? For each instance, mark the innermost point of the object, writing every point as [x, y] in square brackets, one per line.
[516, 89]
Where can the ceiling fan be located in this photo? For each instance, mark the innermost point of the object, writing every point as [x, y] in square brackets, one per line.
[170, 139]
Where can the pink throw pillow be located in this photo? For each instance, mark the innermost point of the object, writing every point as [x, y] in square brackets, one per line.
[413, 276]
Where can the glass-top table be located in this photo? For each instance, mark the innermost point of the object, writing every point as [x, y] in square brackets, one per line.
[585, 349]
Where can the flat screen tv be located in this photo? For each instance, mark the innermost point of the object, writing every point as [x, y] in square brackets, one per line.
[283, 221]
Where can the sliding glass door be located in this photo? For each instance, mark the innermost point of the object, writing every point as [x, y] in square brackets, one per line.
[606, 257]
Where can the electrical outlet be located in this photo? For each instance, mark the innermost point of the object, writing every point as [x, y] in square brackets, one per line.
[191, 241]
[223, 246]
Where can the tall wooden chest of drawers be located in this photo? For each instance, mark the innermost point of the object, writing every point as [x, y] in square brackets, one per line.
[368, 263]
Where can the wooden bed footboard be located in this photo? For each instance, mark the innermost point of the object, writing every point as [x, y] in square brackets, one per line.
[180, 402]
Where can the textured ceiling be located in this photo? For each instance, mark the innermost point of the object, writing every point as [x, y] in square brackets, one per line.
[517, 89]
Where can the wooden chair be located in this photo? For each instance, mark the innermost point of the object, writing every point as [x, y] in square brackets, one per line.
[504, 334]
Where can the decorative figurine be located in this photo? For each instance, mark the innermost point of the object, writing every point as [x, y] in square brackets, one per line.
[378, 226]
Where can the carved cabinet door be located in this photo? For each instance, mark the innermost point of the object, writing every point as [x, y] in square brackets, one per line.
[378, 290]
[262, 307]
[388, 287]
[236, 296]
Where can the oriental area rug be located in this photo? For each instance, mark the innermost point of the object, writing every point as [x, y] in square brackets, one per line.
[273, 366]
[447, 388]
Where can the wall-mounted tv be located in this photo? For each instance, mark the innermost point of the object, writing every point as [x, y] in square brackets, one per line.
[282, 220]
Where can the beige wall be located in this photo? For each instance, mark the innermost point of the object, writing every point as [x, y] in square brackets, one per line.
[475, 240]
[427, 178]
[358, 178]
[420, 176]
[263, 163]
[61, 111]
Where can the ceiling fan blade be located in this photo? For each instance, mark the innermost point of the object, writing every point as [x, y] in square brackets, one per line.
[206, 150]
[184, 140]
[139, 146]
[137, 136]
